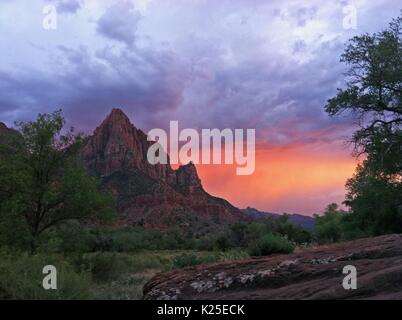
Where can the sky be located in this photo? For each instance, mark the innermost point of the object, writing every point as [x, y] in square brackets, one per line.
[266, 65]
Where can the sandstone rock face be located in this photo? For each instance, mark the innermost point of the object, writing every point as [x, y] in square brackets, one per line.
[314, 273]
[150, 194]
[117, 145]
[187, 180]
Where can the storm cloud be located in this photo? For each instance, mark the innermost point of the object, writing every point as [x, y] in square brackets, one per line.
[268, 65]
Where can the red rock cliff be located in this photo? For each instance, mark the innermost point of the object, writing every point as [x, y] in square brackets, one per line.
[145, 193]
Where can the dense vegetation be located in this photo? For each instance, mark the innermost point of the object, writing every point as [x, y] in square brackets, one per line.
[42, 182]
[373, 96]
[105, 262]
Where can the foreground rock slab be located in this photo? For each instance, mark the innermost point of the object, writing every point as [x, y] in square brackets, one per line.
[314, 273]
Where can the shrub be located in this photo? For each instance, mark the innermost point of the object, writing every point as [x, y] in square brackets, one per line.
[206, 243]
[269, 244]
[134, 239]
[222, 243]
[190, 259]
[75, 238]
[104, 266]
[233, 254]
[127, 240]
[337, 225]
[144, 261]
[14, 232]
[68, 238]
[21, 277]
[185, 260]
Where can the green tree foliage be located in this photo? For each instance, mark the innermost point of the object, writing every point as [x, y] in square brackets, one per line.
[376, 202]
[329, 226]
[242, 234]
[42, 182]
[336, 225]
[266, 236]
[191, 259]
[374, 97]
[269, 244]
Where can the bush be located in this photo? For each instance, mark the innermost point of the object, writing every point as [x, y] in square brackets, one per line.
[244, 235]
[21, 277]
[185, 260]
[14, 232]
[222, 243]
[134, 239]
[269, 244]
[103, 266]
[336, 225]
[190, 259]
[68, 238]
[234, 254]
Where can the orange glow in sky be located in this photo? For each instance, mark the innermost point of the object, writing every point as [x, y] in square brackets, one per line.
[301, 179]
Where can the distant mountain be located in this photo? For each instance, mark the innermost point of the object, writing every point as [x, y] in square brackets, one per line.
[153, 195]
[297, 219]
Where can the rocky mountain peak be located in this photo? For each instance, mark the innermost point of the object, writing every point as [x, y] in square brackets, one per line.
[117, 117]
[188, 180]
[118, 113]
[118, 145]
[146, 193]
[117, 124]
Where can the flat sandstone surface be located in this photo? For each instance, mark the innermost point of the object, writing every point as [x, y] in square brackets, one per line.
[313, 273]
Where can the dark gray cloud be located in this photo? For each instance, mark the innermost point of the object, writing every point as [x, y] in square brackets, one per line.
[119, 22]
[66, 6]
[269, 66]
[283, 101]
[86, 86]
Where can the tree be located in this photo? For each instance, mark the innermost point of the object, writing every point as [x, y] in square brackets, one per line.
[374, 97]
[376, 202]
[337, 225]
[328, 227]
[42, 180]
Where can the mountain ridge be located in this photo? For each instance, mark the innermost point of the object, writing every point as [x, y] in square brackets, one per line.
[155, 195]
[294, 218]
[150, 194]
